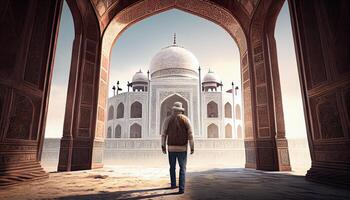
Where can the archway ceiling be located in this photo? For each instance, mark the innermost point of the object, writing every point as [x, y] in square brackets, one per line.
[242, 10]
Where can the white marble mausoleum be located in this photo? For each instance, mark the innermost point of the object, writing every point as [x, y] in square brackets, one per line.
[174, 75]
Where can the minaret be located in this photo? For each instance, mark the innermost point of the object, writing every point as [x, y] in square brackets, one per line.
[233, 109]
[200, 100]
[174, 42]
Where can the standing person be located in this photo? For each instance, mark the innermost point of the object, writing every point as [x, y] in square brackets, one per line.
[177, 131]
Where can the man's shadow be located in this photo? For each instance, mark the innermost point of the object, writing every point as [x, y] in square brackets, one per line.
[124, 194]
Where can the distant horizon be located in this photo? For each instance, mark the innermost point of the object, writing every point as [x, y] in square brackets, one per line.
[210, 43]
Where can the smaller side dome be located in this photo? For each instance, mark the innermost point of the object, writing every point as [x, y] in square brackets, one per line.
[139, 82]
[211, 77]
[139, 77]
[210, 82]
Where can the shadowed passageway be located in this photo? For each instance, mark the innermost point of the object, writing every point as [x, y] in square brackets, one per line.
[152, 183]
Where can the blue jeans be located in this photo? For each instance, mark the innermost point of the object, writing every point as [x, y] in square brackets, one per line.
[182, 159]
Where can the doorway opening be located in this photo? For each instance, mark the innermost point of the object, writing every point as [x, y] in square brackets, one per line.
[149, 65]
[58, 91]
[291, 93]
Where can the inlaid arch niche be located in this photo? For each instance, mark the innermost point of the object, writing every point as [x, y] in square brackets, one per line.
[136, 110]
[228, 110]
[168, 103]
[239, 132]
[110, 113]
[109, 132]
[238, 112]
[228, 131]
[213, 131]
[118, 131]
[212, 110]
[120, 111]
[135, 131]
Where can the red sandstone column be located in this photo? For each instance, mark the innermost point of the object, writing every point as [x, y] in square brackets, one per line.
[267, 148]
[28, 39]
[81, 147]
[321, 35]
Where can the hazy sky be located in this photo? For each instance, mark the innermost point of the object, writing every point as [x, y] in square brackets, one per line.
[212, 45]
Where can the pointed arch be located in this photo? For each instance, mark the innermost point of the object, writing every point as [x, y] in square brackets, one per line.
[239, 132]
[110, 113]
[213, 131]
[120, 111]
[228, 131]
[212, 110]
[228, 110]
[135, 130]
[238, 112]
[109, 132]
[167, 104]
[118, 131]
[136, 110]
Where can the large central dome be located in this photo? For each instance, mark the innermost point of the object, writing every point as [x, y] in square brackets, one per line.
[174, 61]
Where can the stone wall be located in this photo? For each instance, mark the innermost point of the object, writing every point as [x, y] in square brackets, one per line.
[146, 152]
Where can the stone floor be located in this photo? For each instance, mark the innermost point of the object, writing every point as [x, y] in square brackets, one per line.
[151, 183]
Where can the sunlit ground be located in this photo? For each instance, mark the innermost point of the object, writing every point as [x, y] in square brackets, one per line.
[138, 182]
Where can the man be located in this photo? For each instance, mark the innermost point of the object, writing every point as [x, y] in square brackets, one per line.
[177, 131]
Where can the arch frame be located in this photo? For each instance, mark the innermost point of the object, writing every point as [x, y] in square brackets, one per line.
[217, 130]
[231, 130]
[115, 131]
[122, 111]
[111, 116]
[132, 107]
[230, 110]
[158, 116]
[216, 109]
[138, 125]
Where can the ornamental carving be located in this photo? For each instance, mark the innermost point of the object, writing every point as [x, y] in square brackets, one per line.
[174, 72]
[21, 118]
[284, 156]
[166, 94]
[101, 6]
[328, 118]
[248, 5]
[146, 8]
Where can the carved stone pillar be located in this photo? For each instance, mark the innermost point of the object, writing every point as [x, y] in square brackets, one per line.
[27, 40]
[272, 62]
[268, 135]
[81, 148]
[321, 34]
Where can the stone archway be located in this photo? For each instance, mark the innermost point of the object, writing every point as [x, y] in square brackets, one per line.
[316, 47]
[167, 104]
[252, 88]
[84, 137]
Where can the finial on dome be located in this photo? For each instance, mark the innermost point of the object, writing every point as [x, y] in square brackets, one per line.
[140, 71]
[174, 43]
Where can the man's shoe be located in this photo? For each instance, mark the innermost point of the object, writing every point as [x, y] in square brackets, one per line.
[181, 191]
[173, 187]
